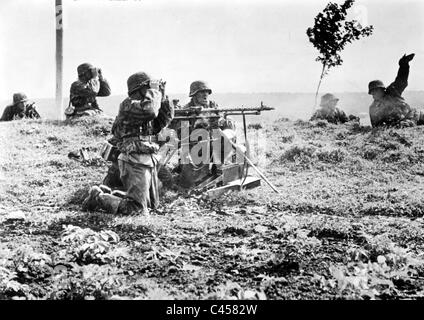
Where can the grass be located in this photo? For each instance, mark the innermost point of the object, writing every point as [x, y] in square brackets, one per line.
[347, 225]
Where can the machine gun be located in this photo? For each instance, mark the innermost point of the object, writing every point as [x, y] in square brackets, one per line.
[199, 112]
[233, 175]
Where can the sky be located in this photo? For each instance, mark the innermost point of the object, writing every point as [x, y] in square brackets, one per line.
[237, 46]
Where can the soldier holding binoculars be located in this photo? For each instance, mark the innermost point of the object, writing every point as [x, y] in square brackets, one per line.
[90, 84]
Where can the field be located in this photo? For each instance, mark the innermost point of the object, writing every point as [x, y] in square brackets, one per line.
[348, 223]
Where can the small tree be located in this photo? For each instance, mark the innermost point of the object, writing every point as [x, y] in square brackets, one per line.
[331, 32]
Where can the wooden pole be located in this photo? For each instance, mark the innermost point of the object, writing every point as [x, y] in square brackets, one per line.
[59, 58]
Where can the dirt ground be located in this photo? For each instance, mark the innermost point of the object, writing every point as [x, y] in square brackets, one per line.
[348, 223]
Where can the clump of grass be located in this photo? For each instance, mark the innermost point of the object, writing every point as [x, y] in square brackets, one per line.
[321, 123]
[389, 145]
[29, 131]
[298, 152]
[287, 138]
[302, 123]
[336, 155]
[341, 135]
[371, 152]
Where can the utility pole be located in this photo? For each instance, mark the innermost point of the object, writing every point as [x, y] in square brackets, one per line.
[59, 58]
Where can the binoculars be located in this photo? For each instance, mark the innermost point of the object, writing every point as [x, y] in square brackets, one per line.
[95, 72]
[156, 84]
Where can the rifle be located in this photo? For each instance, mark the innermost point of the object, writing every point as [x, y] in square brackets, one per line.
[198, 113]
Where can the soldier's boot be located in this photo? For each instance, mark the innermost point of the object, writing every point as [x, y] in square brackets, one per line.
[109, 203]
[91, 202]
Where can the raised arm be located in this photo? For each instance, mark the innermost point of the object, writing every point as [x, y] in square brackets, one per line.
[144, 110]
[104, 90]
[401, 82]
[165, 116]
[85, 89]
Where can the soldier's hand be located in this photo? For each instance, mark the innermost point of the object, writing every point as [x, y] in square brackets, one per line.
[162, 85]
[94, 73]
[99, 72]
[154, 84]
[406, 58]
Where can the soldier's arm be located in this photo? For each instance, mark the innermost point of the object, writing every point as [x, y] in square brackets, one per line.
[375, 122]
[35, 113]
[88, 89]
[143, 110]
[342, 116]
[188, 105]
[7, 116]
[104, 89]
[165, 116]
[315, 116]
[401, 82]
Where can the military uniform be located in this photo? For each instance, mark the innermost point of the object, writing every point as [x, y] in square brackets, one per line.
[391, 109]
[113, 179]
[20, 109]
[335, 115]
[84, 91]
[191, 173]
[328, 110]
[136, 127]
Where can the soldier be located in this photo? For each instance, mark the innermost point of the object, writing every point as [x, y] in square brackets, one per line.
[20, 109]
[328, 111]
[389, 107]
[192, 174]
[90, 84]
[141, 117]
[199, 93]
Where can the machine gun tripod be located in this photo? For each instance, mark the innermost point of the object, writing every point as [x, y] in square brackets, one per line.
[230, 176]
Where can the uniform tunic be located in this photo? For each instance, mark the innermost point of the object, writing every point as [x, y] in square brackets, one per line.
[335, 115]
[83, 95]
[13, 112]
[136, 128]
[392, 109]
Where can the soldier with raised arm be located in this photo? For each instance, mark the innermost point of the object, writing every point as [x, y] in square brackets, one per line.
[389, 108]
[141, 117]
[83, 93]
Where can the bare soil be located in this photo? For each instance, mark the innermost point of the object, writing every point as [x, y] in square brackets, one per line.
[347, 225]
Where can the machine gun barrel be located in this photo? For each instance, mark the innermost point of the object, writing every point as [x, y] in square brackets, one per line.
[198, 113]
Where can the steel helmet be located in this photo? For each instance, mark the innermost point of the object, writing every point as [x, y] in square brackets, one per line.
[83, 68]
[375, 84]
[19, 97]
[326, 98]
[136, 80]
[197, 86]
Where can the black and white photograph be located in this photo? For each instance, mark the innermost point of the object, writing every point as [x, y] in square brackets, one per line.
[235, 152]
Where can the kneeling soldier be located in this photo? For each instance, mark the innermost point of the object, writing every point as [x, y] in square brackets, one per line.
[141, 117]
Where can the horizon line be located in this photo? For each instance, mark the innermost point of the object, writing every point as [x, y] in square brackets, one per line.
[246, 93]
